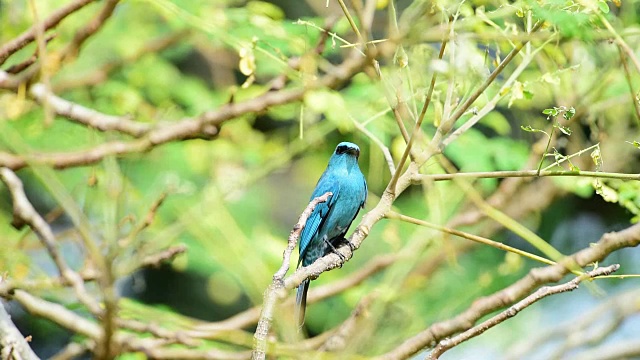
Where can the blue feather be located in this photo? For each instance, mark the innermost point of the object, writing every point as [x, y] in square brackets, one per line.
[328, 224]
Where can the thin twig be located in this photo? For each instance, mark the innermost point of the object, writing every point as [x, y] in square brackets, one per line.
[418, 178]
[627, 75]
[416, 129]
[472, 237]
[89, 29]
[480, 90]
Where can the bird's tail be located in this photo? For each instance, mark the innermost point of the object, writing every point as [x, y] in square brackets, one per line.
[301, 303]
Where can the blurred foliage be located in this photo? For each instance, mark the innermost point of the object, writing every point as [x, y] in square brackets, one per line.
[233, 200]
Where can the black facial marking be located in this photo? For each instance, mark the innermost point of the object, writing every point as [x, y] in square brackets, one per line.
[342, 149]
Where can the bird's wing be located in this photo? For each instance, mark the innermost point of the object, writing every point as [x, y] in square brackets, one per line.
[364, 193]
[319, 214]
[363, 199]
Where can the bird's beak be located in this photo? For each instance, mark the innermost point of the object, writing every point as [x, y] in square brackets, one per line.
[354, 152]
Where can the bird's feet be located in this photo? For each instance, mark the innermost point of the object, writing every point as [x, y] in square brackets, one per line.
[335, 251]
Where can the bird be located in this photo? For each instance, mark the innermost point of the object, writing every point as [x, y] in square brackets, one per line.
[327, 225]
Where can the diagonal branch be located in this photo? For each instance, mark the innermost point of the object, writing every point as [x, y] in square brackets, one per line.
[29, 35]
[275, 289]
[12, 344]
[204, 126]
[89, 29]
[541, 293]
[607, 244]
[24, 213]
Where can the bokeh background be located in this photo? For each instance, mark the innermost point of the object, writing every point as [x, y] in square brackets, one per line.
[231, 198]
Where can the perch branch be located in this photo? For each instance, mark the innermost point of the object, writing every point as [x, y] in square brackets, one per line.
[275, 289]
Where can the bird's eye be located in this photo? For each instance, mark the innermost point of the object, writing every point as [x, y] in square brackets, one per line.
[341, 149]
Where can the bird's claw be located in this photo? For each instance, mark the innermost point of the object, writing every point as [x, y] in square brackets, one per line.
[343, 259]
[352, 246]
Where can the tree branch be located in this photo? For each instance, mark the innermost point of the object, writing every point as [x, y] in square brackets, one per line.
[541, 293]
[86, 116]
[29, 35]
[417, 179]
[607, 244]
[12, 344]
[275, 289]
[206, 125]
[24, 213]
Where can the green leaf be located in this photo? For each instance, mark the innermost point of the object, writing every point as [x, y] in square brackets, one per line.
[568, 114]
[565, 130]
[527, 94]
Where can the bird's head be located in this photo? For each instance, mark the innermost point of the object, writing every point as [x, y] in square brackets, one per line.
[347, 148]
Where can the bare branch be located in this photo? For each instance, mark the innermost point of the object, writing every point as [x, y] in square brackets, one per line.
[417, 179]
[87, 116]
[12, 344]
[29, 35]
[205, 126]
[609, 243]
[24, 213]
[588, 328]
[17, 68]
[541, 293]
[168, 254]
[275, 290]
[89, 29]
[58, 314]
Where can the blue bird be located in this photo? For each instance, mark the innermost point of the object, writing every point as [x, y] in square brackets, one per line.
[326, 227]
